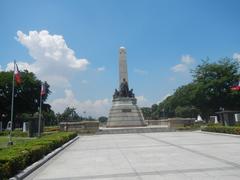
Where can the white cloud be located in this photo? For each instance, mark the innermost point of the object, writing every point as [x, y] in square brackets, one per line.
[93, 108]
[187, 61]
[179, 68]
[54, 62]
[142, 101]
[100, 69]
[1, 68]
[22, 66]
[236, 56]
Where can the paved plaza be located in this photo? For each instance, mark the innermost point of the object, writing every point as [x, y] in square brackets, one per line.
[146, 156]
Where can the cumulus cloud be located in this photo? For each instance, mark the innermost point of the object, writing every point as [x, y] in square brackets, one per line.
[140, 71]
[142, 101]
[93, 108]
[22, 66]
[0, 68]
[186, 62]
[187, 59]
[180, 68]
[236, 56]
[54, 60]
[100, 69]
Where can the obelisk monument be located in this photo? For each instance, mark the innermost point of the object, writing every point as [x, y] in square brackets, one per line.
[124, 111]
[122, 65]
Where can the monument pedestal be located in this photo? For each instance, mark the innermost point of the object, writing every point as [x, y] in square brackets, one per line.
[125, 113]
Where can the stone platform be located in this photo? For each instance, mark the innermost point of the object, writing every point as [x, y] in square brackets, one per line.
[125, 113]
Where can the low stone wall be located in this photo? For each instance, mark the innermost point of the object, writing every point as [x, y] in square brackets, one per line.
[162, 122]
[172, 122]
[80, 127]
[181, 122]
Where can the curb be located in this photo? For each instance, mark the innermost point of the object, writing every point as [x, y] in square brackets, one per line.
[24, 173]
[221, 134]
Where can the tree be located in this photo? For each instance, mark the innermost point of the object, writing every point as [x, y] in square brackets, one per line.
[154, 111]
[26, 99]
[147, 112]
[49, 115]
[209, 90]
[102, 119]
[167, 107]
[186, 112]
[212, 86]
[69, 114]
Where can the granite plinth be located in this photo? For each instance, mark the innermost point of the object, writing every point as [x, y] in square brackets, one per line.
[125, 113]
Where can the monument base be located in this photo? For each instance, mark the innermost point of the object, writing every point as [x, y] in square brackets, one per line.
[125, 113]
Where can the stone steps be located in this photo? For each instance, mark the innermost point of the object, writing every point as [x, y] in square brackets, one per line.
[128, 130]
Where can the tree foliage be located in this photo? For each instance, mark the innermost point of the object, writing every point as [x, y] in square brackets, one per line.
[102, 119]
[26, 94]
[69, 114]
[209, 91]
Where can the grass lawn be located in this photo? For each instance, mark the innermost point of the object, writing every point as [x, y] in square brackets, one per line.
[16, 140]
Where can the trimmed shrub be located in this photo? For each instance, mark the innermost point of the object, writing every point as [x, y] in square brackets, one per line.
[18, 157]
[17, 133]
[189, 128]
[223, 129]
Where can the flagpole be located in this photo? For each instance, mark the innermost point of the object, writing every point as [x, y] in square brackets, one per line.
[40, 114]
[12, 106]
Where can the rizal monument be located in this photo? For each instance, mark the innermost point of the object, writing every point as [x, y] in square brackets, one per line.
[124, 111]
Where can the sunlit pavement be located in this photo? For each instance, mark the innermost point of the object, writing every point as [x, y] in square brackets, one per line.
[147, 156]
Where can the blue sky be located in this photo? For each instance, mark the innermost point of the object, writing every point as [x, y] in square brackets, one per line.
[164, 40]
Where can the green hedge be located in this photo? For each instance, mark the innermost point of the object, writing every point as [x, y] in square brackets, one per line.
[17, 133]
[189, 128]
[223, 129]
[16, 158]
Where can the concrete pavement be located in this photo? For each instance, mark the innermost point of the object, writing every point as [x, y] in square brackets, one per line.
[146, 156]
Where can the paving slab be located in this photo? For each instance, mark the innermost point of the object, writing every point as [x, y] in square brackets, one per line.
[146, 156]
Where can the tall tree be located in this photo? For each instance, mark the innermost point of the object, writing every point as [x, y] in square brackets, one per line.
[70, 114]
[26, 94]
[212, 86]
[209, 90]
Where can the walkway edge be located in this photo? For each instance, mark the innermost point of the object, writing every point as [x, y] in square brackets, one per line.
[221, 134]
[42, 161]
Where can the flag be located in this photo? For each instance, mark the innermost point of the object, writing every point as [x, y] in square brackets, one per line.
[236, 88]
[43, 89]
[17, 74]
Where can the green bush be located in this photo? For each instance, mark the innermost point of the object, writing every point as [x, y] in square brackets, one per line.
[18, 157]
[15, 133]
[223, 129]
[189, 128]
